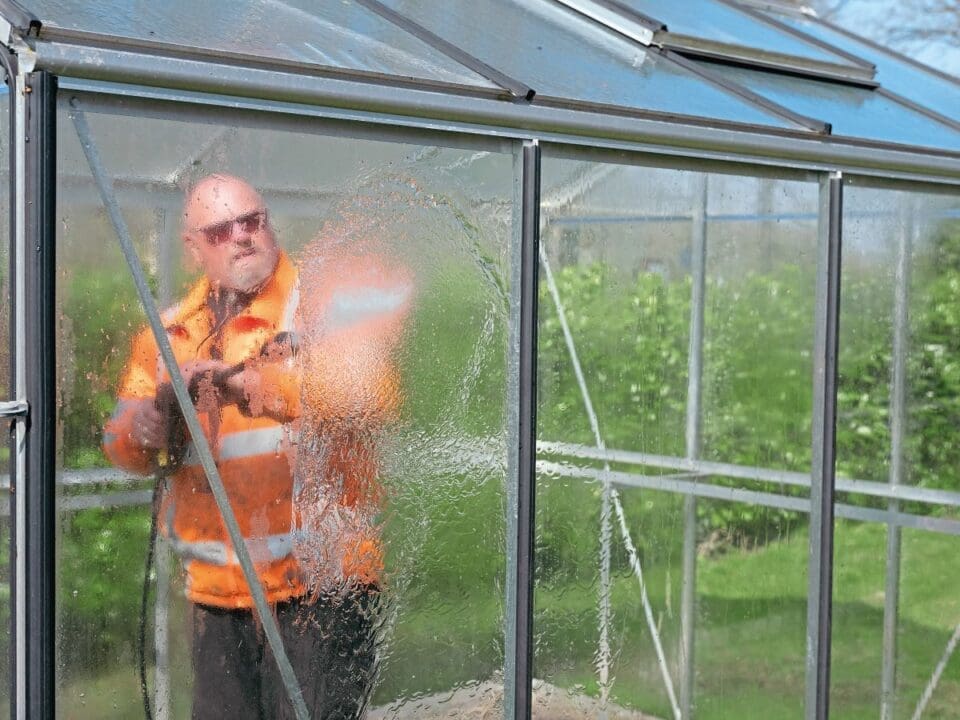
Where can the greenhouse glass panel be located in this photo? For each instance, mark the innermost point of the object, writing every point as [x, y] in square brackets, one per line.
[366, 463]
[896, 401]
[926, 88]
[339, 35]
[719, 22]
[6, 393]
[561, 55]
[853, 111]
[634, 544]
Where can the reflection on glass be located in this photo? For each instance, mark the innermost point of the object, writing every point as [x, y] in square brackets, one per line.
[561, 54]
[851, 111]
[342, 330]
[717, 21]
[928, 89]
[623, 254]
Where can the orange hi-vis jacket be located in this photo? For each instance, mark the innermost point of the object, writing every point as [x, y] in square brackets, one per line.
[252, 450]
[319, 420]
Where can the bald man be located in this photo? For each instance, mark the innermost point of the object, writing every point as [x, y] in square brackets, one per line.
[225, 334]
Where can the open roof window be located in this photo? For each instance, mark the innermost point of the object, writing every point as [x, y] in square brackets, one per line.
[721, 30]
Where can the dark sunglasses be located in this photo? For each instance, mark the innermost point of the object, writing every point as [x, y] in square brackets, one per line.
[222, 232]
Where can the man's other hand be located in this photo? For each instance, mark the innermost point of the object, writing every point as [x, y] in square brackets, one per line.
[149, 426]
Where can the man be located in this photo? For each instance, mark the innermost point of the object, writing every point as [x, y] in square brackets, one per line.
[231, 337]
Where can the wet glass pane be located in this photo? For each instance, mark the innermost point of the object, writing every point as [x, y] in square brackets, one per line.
[559, 54]
[853, 112]
[339, 35]
[717, 21]
[896, 402]
[622, 248]
[761, 275]
[6, 321]
[925, 88]
[363, 452]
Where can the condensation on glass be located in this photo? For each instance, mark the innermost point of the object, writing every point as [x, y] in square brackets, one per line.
[628, 254]
[396, 459]
[895, 619]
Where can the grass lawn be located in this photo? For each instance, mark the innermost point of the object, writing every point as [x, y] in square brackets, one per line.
[750, 638]
[750, 641]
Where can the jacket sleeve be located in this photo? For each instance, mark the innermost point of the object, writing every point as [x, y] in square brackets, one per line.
[275, 394]
[138, 383]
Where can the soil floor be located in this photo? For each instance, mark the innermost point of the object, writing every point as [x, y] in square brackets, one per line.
[485, 702]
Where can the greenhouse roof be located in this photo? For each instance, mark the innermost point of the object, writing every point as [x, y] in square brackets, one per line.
[602, 68]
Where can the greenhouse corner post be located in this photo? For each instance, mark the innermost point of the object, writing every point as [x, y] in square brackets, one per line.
[527, 436]
[39, 484]
[823, 462]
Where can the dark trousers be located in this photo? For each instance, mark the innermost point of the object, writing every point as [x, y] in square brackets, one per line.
[330, 644]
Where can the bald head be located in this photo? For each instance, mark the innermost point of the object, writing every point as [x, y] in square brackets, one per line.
[227, 232]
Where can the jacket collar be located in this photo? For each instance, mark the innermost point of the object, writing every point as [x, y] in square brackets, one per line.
[268, 304]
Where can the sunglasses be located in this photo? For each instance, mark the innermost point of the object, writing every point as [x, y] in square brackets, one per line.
[221, 232]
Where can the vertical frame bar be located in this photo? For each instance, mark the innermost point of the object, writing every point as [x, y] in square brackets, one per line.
[38, 486]
[18, 429]
[527, 438]
[898, 379]
[688, 596]
[166, 236]
[513, 438]
[823, 466]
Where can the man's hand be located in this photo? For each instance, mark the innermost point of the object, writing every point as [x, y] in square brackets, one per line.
[150, 426]
[207, 391]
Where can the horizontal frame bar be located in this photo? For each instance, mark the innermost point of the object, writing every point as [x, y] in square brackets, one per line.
[254, 89]
[87, 41]
[687, 484]
[945, 498]
[683, 483]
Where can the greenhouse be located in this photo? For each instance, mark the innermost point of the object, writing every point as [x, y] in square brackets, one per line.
[513, 358]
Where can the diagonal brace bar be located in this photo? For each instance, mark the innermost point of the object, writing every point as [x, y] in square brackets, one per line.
[267, 620]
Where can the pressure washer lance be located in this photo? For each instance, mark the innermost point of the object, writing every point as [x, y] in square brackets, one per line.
[282, 346]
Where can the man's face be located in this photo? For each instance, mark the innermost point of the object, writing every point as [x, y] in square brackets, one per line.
[228, 233]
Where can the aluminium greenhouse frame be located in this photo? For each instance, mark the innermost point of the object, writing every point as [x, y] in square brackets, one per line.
[45, 70]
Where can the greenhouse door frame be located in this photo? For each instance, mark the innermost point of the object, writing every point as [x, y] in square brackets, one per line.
[34, 102]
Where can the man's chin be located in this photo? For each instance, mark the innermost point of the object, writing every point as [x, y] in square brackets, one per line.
[248, 281]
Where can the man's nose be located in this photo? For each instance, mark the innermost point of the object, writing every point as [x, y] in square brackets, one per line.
[239, 235]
